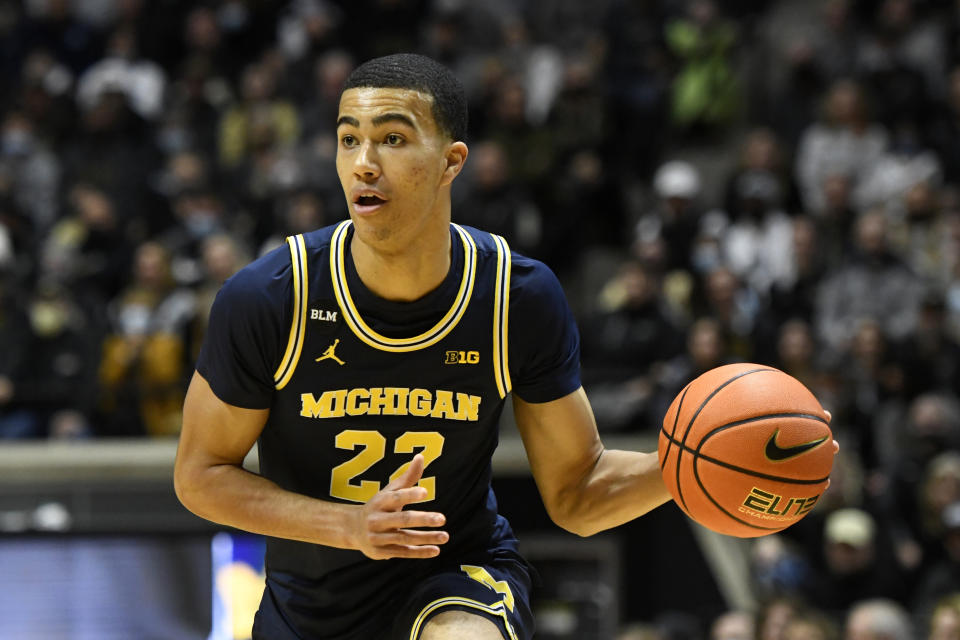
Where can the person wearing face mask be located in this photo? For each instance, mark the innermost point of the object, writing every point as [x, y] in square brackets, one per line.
[874, 283]
[199, 213]
[143, 368]
[34, 169]
[46, 389]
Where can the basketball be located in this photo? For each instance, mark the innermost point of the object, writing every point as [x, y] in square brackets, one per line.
[745, 450]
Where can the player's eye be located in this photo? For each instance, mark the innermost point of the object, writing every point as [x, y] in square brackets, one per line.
[348, 140]
[393, 139]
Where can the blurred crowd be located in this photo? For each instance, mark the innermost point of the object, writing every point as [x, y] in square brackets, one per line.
[712, 180]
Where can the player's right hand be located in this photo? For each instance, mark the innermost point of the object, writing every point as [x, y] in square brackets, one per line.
[383, 529]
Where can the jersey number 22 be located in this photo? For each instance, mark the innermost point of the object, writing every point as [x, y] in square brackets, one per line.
[373, 447]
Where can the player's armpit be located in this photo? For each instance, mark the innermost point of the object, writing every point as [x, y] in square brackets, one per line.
[585, 487]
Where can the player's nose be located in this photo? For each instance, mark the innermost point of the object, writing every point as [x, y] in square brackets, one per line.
[367, 163]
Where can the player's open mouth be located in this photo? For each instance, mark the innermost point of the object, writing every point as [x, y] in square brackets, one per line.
[367, 203]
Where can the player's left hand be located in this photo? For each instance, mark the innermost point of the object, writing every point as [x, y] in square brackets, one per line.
[385, 530]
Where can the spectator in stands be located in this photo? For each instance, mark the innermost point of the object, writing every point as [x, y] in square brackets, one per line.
[33, 169]
[734, 625]
[918, 477]
[222, 255]
[796, 352]
[944, 622]
[794, 296]
[858, 564]
[259, 120]
[930, 354]
[878, 619]
[637, 76]
[625, 343]
[901, 59]
[706, 348]
[811, 625]
[844, 142]
[940, 580]
[318, 108]
[144, 369]
[874, 283]
[200, 213]
[494, 200]
[50, 381]
[939, 488]
[300, 211]
[904, 164]
[123, 69]
[920, 230]
[674, 216]
[737, 308]
[776, 612]
[88, 249]
[529, 148]
[757, 233]
[873, 386]
[706, 91]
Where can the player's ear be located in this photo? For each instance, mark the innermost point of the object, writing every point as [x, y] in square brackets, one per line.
[455, 158]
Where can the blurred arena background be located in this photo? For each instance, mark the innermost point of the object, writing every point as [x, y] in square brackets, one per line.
[712, 180]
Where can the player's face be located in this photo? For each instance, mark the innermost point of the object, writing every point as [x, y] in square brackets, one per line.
[393, 164]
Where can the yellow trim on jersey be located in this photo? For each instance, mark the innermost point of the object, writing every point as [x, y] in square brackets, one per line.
[495, 609]
[363, 331]
[501, 314]
[298, 261]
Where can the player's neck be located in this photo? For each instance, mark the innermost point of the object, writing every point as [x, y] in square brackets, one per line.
[408, 274]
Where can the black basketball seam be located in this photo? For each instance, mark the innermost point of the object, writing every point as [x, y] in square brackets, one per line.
[683, 443]
[737, 423]
[697, 456]
[703, 489]
[666, 454]
[749, 472]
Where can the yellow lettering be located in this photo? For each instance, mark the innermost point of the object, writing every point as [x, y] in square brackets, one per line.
[309, 406]
[443, 407]
[419, 403]
[354, 407]
[807, 504]
[401, 401]
[468, 407]
[388, 407]
[759, 500]
[378, 401]
[330, 404]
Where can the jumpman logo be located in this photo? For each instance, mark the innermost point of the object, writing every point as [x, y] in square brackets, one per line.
[329, 353]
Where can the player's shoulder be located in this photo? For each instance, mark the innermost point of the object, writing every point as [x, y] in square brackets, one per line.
[533, 280]
[262, 276]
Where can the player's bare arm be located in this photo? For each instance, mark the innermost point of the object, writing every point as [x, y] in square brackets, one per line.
[585, 487]
[211, 482]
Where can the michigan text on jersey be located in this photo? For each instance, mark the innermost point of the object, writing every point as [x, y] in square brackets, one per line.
[391, 401]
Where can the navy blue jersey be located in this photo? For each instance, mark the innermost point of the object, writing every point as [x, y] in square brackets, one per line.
[357, 385]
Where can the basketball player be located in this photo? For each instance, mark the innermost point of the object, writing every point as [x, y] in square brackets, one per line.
[370, 361]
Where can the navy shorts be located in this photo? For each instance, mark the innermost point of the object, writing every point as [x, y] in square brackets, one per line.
[498, 590]
[497, 587]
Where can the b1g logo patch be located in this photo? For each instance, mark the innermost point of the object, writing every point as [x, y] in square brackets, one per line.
[462, 357]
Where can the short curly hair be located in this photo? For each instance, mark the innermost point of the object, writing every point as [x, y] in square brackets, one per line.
[418, 73]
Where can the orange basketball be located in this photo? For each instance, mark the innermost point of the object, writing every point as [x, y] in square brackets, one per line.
[746, 450]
